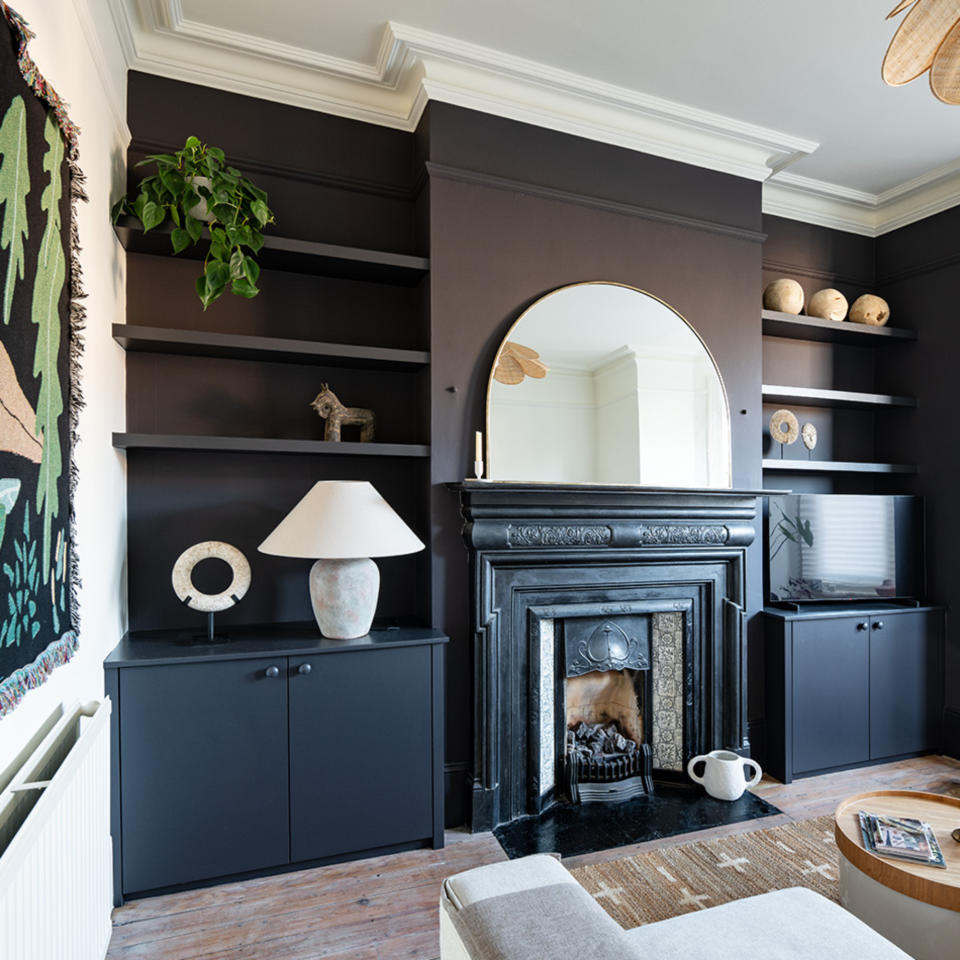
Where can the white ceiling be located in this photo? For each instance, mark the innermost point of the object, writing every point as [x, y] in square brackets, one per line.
[748, 87]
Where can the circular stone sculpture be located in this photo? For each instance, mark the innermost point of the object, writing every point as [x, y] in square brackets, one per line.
[210, 602]
[784, 427]
[808, 433]
[870, 309]
[783, 295]
[828, 304]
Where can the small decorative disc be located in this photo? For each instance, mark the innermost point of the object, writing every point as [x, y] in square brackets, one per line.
[808, 433]
[784, 427]
[182, 576]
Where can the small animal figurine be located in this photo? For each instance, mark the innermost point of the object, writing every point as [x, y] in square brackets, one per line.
[336, 415]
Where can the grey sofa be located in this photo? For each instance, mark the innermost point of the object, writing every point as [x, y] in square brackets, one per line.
[533, 909]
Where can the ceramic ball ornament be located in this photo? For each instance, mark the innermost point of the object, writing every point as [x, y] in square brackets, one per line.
[827, 304]
[784, 296]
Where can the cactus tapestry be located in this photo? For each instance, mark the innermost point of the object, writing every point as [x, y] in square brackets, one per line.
[40, 323]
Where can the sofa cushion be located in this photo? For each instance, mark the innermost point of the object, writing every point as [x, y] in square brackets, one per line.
[794, 924]
[560, 921]
[510, 876]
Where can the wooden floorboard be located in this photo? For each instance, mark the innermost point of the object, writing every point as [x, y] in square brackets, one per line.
[385, 908]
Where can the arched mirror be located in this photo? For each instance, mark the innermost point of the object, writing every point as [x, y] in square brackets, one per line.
[602, 383]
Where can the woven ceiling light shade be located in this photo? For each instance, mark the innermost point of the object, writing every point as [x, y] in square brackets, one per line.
[927, 39]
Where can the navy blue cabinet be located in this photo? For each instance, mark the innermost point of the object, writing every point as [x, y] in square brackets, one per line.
[275, 749]
[848, 686]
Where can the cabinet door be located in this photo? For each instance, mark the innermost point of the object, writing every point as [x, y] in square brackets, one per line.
[830, 693]
[904, 683]
[360, 755]
[203, 751]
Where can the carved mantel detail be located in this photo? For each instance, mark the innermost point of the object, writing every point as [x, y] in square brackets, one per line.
[554, 535]
[707, 534]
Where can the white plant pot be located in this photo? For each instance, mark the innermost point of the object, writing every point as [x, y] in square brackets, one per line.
[200, 211]
[723, 776]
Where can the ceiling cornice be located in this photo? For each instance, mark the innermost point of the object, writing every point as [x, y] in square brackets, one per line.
[855, 211]
[414, 66]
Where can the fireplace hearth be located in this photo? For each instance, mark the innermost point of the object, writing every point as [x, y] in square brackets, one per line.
[602, 605]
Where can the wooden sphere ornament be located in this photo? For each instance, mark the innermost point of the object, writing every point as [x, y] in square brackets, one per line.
[808, 433]
[871, 310]
[828, 304]
[210, 602]
[784, 427]
[783, 295]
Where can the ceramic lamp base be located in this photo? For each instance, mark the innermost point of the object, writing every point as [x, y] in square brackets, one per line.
[344, 597]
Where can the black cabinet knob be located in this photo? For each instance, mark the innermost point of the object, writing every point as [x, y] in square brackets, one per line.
[272, 672]
[862, 625]
[877, 624]
[304, 668]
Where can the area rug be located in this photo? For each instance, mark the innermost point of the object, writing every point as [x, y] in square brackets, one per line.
[694, 876]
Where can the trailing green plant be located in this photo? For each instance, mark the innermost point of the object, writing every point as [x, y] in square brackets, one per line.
[238, 209]
[24, 582]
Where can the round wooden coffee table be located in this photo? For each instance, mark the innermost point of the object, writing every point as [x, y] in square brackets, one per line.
[914, 905]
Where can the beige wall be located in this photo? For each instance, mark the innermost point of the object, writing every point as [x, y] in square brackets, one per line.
[77, 51]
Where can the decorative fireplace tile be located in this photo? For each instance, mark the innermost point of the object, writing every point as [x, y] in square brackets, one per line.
[548, 777]
[667, 707]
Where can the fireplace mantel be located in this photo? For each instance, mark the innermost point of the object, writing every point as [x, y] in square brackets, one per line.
[537, 549]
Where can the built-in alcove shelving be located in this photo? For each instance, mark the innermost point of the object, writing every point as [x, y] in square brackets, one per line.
[836, 466]
[793, 327]
[161, 441]
[833, 354]
[840, 399]
[291, 255]
[199, 343]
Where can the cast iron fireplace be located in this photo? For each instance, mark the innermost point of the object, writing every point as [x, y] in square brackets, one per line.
[577, 581]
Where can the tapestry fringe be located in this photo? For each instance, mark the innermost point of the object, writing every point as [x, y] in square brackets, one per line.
[15, 687]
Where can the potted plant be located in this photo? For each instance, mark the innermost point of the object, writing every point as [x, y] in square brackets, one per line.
[194, 188]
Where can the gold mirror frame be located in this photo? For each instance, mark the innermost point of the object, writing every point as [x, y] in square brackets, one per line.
[652, 296]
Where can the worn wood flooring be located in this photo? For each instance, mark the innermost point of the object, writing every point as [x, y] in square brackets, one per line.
[386, 908]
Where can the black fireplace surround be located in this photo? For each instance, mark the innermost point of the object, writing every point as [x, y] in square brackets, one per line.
[551, 552]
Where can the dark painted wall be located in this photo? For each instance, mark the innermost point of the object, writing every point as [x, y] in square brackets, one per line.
[918, 269]
[516, 211]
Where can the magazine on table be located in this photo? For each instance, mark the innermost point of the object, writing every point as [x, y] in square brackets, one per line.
[901, 837]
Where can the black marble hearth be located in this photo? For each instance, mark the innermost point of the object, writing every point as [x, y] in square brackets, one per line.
[571, 829]
[551, 564]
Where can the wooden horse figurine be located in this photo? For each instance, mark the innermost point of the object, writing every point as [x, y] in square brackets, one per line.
[336, 415]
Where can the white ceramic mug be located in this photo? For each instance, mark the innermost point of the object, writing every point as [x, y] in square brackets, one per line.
[723, 775]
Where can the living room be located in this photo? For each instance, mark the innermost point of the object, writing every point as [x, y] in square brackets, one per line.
[598, 361]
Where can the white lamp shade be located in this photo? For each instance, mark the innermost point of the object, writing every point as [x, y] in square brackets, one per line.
[341, 519]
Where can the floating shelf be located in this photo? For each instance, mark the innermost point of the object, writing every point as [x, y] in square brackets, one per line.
[294, 256]
[794, 327]
[836, 466]
[198, 343]
[168, 441]
[816, 397]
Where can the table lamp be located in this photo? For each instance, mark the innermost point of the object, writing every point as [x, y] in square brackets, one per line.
[342, 524]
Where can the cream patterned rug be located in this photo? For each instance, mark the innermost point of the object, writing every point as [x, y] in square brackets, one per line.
[676, 880]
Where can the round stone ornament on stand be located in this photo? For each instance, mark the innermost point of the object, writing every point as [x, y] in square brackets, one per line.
[210, 603]
[784, 427]
[783, 295]
[827, 304]
[808, 433]
[871, 310]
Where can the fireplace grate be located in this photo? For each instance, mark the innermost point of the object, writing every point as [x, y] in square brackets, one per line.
[609, 779]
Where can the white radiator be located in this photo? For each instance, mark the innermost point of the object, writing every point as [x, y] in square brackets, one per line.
[55, 855]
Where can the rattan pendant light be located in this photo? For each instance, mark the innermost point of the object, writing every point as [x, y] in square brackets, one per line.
[927, 39]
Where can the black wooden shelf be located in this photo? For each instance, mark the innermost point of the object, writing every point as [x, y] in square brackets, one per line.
[169, 441]
[198, 343]
[836, 466]
[794, 327]
[817, 397]
[291, 255]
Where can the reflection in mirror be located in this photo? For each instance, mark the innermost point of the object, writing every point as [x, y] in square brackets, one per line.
[602, 383]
